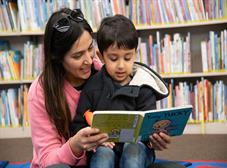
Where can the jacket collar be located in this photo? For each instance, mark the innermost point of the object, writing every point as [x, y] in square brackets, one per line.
[142, 75]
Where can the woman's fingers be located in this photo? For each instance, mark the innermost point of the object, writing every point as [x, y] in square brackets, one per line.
[91, 138]
[93, 141]
[88, 131]
[87, 139]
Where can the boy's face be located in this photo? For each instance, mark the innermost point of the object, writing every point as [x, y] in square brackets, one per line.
[119, 63]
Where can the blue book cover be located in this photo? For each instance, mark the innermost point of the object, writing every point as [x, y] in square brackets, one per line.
[171, 121]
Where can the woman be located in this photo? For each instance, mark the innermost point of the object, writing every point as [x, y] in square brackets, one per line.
[54, 95]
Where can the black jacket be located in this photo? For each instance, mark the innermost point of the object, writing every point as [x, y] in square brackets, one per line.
[101, 93]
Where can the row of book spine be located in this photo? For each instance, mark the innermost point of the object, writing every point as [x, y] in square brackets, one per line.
[175, 11]
[167, 55]
[209, 102]
[209, 99]
[29, 15]
[13, 107]
[173, 55]
[214, 52]
[32, 15]
[15, 65]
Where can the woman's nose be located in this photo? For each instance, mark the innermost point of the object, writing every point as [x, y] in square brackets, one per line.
[88, 57]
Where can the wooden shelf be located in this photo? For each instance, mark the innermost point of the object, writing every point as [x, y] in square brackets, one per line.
[38, 33]
[20, 132]
[177, 25]
[16, 82]
[195, 75]
[139, 27]
[207, 128]
[189, 75]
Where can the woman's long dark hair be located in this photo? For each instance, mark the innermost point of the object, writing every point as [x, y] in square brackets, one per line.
[56, 45]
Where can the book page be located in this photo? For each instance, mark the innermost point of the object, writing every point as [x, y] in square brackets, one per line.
[121, 127]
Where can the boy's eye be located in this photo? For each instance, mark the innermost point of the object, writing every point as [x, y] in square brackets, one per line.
[128, 58]
[113, 58]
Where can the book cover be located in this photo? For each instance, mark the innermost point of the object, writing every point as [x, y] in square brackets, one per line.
[13, 59]
[133, 126]
[169, 120]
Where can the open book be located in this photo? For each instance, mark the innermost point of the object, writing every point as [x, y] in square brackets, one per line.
[134, 126]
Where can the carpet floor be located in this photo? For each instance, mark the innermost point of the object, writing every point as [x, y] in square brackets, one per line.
[191, 164]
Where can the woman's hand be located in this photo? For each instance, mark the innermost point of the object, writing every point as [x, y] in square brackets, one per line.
[159, 141]
[87, 139]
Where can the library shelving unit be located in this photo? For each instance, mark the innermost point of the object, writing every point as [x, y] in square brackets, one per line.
[199, 31]
[17, 41]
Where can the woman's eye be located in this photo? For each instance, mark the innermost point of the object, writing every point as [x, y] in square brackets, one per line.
[91, 48]
[77, 56]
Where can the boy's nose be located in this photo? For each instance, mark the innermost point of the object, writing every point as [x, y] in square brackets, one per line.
[121, 64]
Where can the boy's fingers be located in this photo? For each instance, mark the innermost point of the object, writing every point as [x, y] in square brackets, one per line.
[165, 137]
[159, 142]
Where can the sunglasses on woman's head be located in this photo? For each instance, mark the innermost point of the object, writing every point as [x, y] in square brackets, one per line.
[63, 24]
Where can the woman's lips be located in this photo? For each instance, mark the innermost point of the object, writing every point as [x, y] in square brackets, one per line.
[86, 70]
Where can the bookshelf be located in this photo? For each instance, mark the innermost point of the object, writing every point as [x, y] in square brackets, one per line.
[198, 25]
[19, 132]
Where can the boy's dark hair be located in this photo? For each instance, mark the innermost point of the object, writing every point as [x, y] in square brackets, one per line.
[117, 30]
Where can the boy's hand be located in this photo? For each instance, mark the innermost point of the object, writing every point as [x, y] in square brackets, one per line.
[108, 144]
[159, 141]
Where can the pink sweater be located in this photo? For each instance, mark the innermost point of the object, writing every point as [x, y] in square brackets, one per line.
[48, 146]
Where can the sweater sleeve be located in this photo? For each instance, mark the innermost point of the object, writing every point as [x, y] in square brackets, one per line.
[79, 121]
[48, 146]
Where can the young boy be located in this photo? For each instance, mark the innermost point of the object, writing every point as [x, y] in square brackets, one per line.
[121, 84]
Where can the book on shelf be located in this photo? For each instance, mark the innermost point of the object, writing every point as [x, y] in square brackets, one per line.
[134, 126]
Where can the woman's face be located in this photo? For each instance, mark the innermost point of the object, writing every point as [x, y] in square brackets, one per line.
[77, 61]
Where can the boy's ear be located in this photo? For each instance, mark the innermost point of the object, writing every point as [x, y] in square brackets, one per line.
[99, 55]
